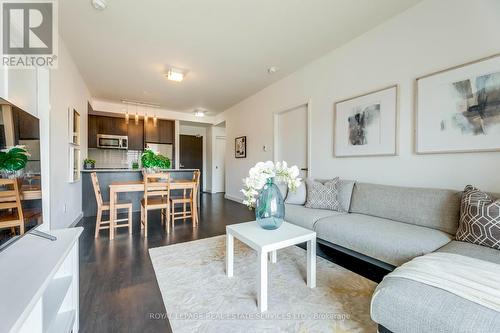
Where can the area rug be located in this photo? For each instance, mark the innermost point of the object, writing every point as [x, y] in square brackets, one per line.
[199, 297]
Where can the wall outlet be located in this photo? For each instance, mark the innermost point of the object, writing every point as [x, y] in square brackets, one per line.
[265, 147]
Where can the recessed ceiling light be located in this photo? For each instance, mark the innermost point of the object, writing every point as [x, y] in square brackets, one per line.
[99, 4]
[175, 74]
[272, 70]
[199, 112]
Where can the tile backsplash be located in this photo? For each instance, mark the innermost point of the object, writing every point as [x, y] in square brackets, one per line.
[114, 158]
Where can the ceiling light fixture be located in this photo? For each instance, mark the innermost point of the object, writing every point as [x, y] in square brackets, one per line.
[272, 70]
[175, 74]
[99, 4]
[200, 112]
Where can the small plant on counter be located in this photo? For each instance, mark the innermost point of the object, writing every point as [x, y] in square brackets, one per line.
[153, 161]
[88, 163]
[13, 160]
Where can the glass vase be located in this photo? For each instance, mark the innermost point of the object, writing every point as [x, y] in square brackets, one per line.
[270, 207]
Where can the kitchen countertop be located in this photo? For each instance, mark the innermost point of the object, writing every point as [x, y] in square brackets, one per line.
[132, 170]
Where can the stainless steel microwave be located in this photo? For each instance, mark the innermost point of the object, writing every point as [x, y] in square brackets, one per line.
[112, 141]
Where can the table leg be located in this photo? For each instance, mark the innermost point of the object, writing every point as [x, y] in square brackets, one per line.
[262, 296]
[273, 256]
[195, 207]
[229, 254]
[311, 263]
[112, 213]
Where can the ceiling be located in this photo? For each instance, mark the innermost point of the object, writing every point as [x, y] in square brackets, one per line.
[226, 45]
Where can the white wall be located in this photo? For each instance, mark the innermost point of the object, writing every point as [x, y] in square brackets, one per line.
[67, 89]
[431, 36]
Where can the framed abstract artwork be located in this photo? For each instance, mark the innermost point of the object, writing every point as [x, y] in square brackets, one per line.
[366, 125]
[240, 147]
[458, 109]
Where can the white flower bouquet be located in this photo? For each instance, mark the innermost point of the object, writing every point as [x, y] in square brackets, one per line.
[262, 172]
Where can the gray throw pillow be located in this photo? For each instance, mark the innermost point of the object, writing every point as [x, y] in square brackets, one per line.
[479, 219]
[323, 196]
[297, 197]
[345, 188]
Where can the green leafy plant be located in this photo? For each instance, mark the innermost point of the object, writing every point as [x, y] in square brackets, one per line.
[88, 161]
[14, 158]
[151, 160]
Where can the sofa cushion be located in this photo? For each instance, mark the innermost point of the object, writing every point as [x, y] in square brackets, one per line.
[389, 241]
[432, 208]
[306, 217]
[472, 250]
[479, 219]
[297, 197]
[323, 196]
[403, 305]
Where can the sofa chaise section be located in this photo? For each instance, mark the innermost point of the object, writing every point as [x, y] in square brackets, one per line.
[402, 305]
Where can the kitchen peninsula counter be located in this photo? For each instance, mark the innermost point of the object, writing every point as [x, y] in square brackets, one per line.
[108, 176]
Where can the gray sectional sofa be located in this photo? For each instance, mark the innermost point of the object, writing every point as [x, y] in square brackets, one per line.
[388, 226]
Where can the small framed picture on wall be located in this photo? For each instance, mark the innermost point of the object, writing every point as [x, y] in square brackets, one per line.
[240, 147]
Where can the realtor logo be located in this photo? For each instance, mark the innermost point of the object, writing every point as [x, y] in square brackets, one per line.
[29, 33]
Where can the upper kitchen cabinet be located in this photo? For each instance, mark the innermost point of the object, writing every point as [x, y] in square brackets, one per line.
[162, 133]
[92, 131]
[136, 135]
[111, 126]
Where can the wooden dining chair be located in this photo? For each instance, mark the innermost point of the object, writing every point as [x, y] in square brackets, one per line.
[11, 211]
[103, 206]
[156, 196]
[187, 198]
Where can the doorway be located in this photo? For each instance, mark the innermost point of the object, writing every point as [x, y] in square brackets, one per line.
[191, 153]
[219, 175]
[291, 137]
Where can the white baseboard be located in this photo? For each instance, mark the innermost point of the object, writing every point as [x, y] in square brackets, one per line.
[75, 222]
[233, 198]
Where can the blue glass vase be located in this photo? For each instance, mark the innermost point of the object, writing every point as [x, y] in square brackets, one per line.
[270, 207]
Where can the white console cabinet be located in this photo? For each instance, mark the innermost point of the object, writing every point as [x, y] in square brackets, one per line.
[39, 284]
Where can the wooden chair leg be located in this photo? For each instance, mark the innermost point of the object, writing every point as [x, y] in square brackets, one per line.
[145, 223]
[167, 211]
[130, 220]
[98, 222]
[142, 217]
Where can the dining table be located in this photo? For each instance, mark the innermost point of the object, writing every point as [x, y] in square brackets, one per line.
[138, 186]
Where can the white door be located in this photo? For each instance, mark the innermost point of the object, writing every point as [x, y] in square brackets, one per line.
[219, 163]
[292, 138]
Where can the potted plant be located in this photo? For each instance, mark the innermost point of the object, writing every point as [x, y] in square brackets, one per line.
[153, 162]
[13, 160]
[262, 193]
[88, 164]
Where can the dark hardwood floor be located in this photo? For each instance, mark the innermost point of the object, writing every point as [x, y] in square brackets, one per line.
[118, 287]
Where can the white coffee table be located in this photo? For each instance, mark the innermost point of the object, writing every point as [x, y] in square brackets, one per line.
[266, 243]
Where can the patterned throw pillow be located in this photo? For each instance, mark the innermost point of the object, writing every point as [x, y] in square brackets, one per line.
[323, 196]
[479, 219]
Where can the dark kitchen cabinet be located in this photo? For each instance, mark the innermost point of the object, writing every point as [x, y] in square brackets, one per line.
[111, 126]
[162, 133]
[28, 126]
[92, 131]
[136, 135]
